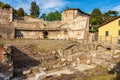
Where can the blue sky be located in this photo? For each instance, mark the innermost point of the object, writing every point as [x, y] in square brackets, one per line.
[47, 6]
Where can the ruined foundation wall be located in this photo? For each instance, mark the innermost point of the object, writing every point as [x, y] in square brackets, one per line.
[6, 31]
[29, 34]
[52, 24]
[76, 34]
[29, 19]
[74, 25]
[53, 35]
[6, 63]
[27, 25]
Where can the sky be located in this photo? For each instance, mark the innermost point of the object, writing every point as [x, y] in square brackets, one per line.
[47, 6]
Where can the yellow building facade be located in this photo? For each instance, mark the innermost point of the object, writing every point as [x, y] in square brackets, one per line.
[110, 31]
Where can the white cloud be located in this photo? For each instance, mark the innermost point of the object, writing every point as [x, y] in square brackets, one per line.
[117, 8]
[53, 4]
[46, 6]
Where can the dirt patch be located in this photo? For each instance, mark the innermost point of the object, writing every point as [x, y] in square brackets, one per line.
[1, 53]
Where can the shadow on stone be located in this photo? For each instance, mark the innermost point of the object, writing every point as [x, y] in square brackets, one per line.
[22, 62]
[116, 70]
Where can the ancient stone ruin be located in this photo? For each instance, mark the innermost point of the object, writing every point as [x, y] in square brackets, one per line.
[74, 25]
[6, 63]
[23, 58]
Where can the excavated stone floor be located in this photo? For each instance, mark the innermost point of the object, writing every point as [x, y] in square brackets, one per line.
[71, 57]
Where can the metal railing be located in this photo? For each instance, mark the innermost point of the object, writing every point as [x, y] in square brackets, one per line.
[109, 39]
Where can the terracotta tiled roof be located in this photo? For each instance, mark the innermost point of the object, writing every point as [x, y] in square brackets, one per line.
[1, 53]
[108, 21]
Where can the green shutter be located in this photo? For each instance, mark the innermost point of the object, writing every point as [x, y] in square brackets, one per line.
[106, 33]
[119, 22]
[119, 32]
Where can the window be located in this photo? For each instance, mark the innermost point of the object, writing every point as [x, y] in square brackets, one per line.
[119, 32]
[119, 22]
[118, 41]
[106, 33]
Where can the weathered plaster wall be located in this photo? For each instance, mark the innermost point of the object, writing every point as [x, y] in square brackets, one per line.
[29, 34]
[78, 28]
[68, 15]
[76, 34]
[74, 25]
[27, 25]
[6, 31]
[6, 15]
[53, 34]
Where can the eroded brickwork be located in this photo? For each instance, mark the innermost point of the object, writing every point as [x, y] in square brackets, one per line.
[6, 15]
[74, 25]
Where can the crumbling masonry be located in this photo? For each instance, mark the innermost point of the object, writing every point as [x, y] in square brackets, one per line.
[74, 25]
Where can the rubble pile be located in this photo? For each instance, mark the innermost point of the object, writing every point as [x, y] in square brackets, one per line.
[6, 65]
[71, 58]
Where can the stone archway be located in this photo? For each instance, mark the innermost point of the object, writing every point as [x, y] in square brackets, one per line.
[45, 34]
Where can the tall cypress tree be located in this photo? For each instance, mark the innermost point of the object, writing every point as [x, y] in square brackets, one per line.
[35, 10]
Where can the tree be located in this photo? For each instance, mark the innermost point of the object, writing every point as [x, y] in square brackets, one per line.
[1, 3]
[54, 16]
[34, 10]
[44, 16]
[57, 15]
[112, 13]
[51, 16]
[95, 19]
[5, 6]
[109, 15]
[21, 12]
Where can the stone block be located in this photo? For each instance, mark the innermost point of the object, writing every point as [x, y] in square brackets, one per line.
[40, 75]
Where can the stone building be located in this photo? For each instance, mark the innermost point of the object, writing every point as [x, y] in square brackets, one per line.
[76, 22]
[6, 15]
[74, 25]
[71, 13]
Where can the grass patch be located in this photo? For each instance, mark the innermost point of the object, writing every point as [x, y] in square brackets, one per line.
[98, 73]
[101, 77]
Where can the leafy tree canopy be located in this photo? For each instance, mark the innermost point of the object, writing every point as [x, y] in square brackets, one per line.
[44, 16]
[2, 5]
[54, 16]
[109, 15]
[97, 18]
[21, 12]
